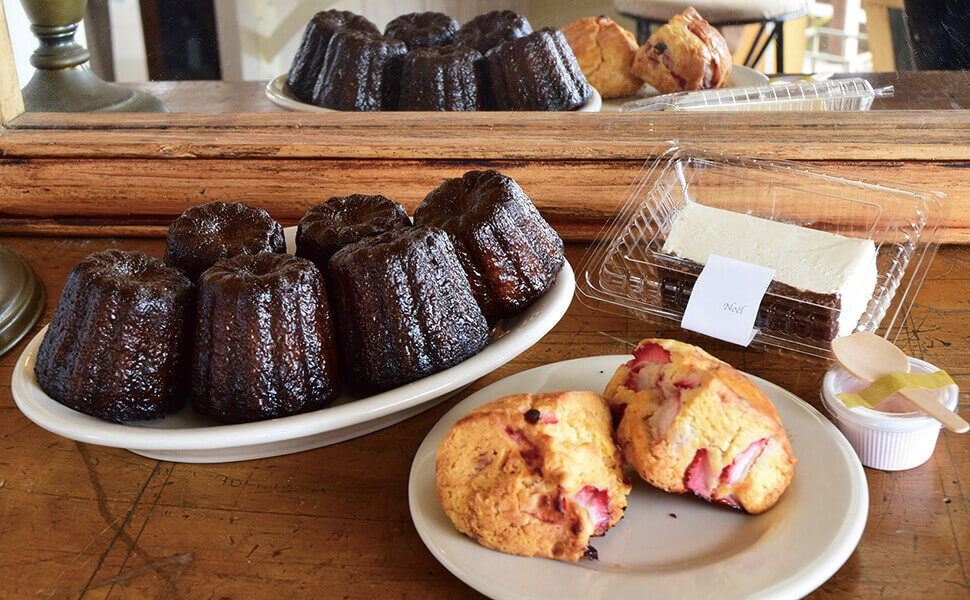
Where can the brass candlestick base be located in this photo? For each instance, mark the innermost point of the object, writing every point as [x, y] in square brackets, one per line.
[22, 299]
[63, 82]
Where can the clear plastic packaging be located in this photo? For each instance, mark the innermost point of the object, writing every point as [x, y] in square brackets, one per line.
[626, 272]
[833, 94]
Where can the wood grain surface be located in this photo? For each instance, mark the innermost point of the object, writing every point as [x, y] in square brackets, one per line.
[83, 521]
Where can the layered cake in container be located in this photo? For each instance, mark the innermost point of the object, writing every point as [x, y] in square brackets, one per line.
[848, 255]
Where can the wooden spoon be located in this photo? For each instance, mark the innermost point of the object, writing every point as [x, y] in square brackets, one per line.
[868, 357]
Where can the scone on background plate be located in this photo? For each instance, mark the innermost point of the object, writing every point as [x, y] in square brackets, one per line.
[684, 55]
[689, 422]
[533, 475]
[605, 52]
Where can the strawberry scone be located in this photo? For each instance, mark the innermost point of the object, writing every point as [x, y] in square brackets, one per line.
[533, 475]
[689, 422]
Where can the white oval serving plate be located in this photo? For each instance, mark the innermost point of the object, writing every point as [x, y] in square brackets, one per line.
[188, 437]
[279, 94]
[666, 545]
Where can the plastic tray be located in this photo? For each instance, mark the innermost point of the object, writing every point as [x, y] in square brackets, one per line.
[626, 273]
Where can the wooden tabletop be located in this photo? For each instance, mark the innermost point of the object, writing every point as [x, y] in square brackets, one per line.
[94, 522]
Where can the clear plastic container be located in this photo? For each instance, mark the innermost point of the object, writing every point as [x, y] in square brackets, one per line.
[626, 272]
[886, 441]
[835, 94]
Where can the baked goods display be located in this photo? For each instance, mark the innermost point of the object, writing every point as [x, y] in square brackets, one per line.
[442, 78]
[328, 227]
[533, 475]
[688, 422]
[404, 308]
[205, 234]
[424, 61]
[118, 346]
[604, 52]
[823, 281]
[264, 344]
[685, 54]
[509, 252]
[424, 29]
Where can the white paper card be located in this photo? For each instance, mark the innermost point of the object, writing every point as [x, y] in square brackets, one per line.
[726, 298]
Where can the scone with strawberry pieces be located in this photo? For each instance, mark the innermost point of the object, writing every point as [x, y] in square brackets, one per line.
[689, 422]
[533, 474]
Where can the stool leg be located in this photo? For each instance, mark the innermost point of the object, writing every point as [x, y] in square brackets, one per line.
[780, 47]
[754, 46]
[643, 30]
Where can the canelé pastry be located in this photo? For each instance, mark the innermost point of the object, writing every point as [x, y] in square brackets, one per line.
[360, 71]
[339, 221]
[685, 54]
[403, 307]
[423, 29]
[208, 233]
[119, 343]
[264, 341]
[689, 422]
[823, 281]
[534, 475]
[536, 72]
[484, 32]
[442, 78]
[509, 252]
[605, 52]
[308, 61]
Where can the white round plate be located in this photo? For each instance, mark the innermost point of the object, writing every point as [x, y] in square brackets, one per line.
[666, 545]
[279, 94]
[740, 77]
[188, 437]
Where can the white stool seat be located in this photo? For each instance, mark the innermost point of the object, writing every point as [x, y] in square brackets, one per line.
[713, 11]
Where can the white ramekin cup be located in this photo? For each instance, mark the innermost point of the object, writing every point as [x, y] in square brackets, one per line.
[886, 441]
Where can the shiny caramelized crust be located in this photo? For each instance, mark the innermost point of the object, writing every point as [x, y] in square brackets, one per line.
[264, 341]
[536, 72]
[534, 475]
[509, 252]
[309, 57]
[203, 235]
[328, 227]
[605, 52]
[119, 343]
[685, 54]
[360, 71]
[486, 31]
[423, 29]
[403, 308]
[442, 78]
[689, 422]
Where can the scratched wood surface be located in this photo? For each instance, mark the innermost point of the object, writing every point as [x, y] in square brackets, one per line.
[83, 521]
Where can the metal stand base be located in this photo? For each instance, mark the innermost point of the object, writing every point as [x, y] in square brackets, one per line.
[22, 299]
[79, 90]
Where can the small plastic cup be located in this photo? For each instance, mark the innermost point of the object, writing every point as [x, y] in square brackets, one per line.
[889, 441]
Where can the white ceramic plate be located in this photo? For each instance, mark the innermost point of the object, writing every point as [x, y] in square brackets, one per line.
[740, 76]
[188, 437]
[707, 551]
[279, 94]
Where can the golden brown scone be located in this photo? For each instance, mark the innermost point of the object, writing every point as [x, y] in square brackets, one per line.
[685, 54]
[605, 53]
[534, 475]
[689, 422]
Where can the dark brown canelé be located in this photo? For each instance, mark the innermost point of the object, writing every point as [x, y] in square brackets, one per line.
[536, 72]
[442, 78]
[308, 61]
[484, 32]
[119, 344]
[423, 29]
[403, 307]
[205, 234]
[264, 341]
[509, 252]
[339, 221]
[361, 71]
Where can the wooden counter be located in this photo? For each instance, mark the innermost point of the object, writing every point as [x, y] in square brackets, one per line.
[94, 522]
